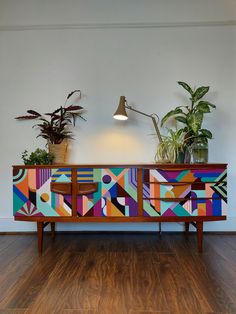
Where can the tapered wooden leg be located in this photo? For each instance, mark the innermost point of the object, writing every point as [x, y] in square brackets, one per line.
[40, 236]
[186, 228]
[199, 225]
[53, 229]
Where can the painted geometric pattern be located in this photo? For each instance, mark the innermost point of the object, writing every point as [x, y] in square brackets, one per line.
[201, 192]
[116, 195]
[32, 195]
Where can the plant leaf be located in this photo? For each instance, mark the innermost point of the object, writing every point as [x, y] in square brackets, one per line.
[207, 103]
[206, 133]
[35, 113]
[200, 92]
[26, 117]
[72, 108]
[171, 113]
[203, 107]
[186, 86]
[195, 121]
[75, 91]
[181, 119]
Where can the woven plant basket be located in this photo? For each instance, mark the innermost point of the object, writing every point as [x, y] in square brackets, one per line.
[59, 151]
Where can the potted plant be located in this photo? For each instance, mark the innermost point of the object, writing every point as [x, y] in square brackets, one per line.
[55, 126]
[192, 117]
[38, 157]
[171, 148]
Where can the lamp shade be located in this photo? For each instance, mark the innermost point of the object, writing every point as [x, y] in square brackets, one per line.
[120, 113]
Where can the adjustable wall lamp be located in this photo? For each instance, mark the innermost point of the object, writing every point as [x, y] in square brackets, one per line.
[121, 114]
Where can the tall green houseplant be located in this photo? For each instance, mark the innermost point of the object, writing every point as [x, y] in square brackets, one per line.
[192, 115]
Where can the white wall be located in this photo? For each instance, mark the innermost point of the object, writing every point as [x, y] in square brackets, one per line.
[110, 48]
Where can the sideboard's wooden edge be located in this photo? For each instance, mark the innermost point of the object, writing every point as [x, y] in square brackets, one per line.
[102, 232]
[122, 219]
[138, 165]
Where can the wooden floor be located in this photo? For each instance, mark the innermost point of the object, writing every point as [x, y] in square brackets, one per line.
[118, 273]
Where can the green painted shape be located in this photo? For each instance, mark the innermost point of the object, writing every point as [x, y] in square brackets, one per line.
[97, 175]
[200, 193]
[180, 211]
[149, 210]
[44, 207]
[48, 211]
[17, 203]
[164, 189]
[207, 179]
[117, 171]
[53, 200]
[221, 175]
[126, 211]
[181, 175]
[63, 178]
[129, 188]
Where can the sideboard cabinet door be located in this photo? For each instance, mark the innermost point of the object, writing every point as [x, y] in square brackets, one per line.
[114, 195]
[32, 195]
[185, 192]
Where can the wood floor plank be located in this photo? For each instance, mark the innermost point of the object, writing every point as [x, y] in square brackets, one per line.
[5, 241]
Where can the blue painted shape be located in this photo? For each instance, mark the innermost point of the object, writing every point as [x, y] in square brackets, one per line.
[217, 207]
[19, 194]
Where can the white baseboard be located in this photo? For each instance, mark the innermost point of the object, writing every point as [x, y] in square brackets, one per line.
[9, 225]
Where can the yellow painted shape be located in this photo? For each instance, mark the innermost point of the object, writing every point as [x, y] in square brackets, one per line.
[44, 197]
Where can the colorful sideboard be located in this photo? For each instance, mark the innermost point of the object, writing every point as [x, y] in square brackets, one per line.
[120, 193]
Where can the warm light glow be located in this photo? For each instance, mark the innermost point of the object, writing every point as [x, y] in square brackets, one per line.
[120, 117]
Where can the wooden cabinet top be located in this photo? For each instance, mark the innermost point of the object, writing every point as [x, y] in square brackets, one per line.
[149, 165]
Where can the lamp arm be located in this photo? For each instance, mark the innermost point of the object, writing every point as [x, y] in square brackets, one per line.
[143, 113]
[152, 116]
[156, 128]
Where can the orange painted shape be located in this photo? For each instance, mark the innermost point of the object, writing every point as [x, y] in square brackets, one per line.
[155, 190]
[179, 189]
[108, 207]
[23, 186]
[201, 209]
[32, 179]
[61, 211]
[189, 177]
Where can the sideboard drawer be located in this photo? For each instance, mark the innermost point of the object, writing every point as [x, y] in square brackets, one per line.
[32, 194]
[115, 195]
[185, 175]
[184, 207]
[185, 190]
